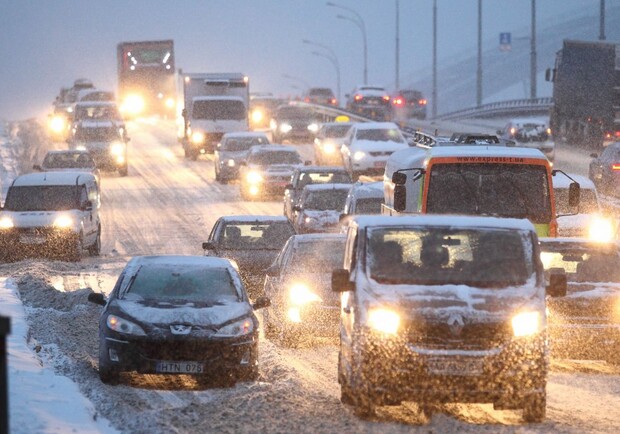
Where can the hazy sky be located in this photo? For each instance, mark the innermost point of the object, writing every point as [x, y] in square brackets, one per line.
[47, 44]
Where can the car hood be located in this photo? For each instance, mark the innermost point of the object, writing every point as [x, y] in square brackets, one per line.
[163, 315]
[280, 169]
[371, 145]
[586, 302]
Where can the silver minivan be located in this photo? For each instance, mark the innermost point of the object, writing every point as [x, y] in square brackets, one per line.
[51, 214]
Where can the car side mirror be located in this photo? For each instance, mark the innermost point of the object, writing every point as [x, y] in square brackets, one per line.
[37, 167]
[341, 282]
[574, 191]
[594, 155]
[208, 245]
[261, 302]
[557, 283]
[399, 178]
[97, 298]
[87, 206]
[400, 198]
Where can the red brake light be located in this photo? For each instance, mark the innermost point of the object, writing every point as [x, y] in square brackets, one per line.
[618, 133]
[422, 102]
[615, 166]
[358, 97]
[386, 97]
[306, 99]
[398, 101]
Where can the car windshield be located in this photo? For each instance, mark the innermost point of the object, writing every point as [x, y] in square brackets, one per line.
[68, 160]
[42, 198]
[237, 144]
[440, 256]
[505, 190]
[295, 113]
[97, 134]
[588, 203]
[176, 283]
[380, 135]
[219, 109]
[320, 92]
[274, 157]
[324, 255]
[105, 112]
[582, 264]
[324, 200]
[336, 131]
[306, 178]
[369, 205]
[255, 235]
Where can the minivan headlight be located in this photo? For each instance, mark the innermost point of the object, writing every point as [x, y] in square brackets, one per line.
[63, 222]
[117, 149]
[122, 325]
[254, 177]
[526, 324]
[384, 320]
[359, 155]
[6, 223]
[238, 328]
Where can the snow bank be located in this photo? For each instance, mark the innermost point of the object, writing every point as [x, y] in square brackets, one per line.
[39, 400]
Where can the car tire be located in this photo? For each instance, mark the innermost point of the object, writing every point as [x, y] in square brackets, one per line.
[535, 407]
[123, 170]
[218, 177]
[109, 376]
[95, 248]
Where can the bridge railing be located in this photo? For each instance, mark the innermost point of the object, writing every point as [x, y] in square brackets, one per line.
[502, 108]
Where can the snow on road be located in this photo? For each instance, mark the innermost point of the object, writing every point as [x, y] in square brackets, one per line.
[168, 205]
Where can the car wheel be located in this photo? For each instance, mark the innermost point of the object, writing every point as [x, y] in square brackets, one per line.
[108, 375]
[535, 407]
[123, 170]
[95, 249]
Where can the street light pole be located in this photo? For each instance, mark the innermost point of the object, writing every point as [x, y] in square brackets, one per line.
[434, 110]
[397, 80]
[359, 22]
[479, 72]
[333, 59]
[601, 35]
[533, 53]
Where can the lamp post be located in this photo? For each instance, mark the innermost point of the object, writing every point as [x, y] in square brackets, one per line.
[359, 22]
[397, 66]
[479, 71]
[332, 58]
[434, 110]
[533, 53]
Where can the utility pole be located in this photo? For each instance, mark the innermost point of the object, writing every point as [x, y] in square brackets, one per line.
[434, 111]
[601, 35]
[533, 53]
[397, 80]
[479, 72]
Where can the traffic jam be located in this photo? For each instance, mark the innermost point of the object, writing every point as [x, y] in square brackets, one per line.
[186, 247]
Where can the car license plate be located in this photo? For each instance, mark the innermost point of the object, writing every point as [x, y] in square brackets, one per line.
[455, 366]
[32, 239]
[379, 164]
[179, 368]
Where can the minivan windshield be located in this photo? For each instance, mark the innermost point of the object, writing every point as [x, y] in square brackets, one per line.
[441, 256]
[238, 144]
[274, 157]
[97, 134]
[42, 198]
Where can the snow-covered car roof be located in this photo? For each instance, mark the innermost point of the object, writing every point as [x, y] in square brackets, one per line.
[218, 98]
[577, 243]
[253, 218]
[313, 237]
[53, 178]
[561, 181]
[447, 221]
[95, 104]
[181, 260]
[375, 125]
[367, 190]
[86, 123]
[328, 186]
[243, 134]
[273, 148]
[320, 169]
[67, 151]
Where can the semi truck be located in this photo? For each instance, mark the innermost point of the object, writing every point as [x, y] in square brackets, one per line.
[586, 93]
[213, 104]
[146, 78]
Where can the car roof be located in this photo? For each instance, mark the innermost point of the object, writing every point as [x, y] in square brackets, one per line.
[327, 186]
[206, 261]
[368, 190]
[314, 237]
[375, 125]
[320, 169]
[561, 181]
[446, 221]
[95, 103]
[253, 218]
[67, 151]
[273, 148]
[52, 178]
[244, 134]
[218, 98]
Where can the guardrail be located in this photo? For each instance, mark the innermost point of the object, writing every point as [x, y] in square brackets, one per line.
[5, 329]
[502, 108]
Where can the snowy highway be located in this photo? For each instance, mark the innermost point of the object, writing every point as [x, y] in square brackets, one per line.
[167, 205]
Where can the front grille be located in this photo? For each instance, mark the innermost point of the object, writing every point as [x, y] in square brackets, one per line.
[181, 350]
[480, 336]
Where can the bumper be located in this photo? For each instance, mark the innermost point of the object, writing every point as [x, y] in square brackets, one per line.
[227, 172]
[19, 243]
[208, 145]
[266, 189]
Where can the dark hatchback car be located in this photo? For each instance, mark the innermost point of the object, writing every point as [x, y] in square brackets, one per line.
[296, 124]
[320, 95]
[604, 170]
[232, 151]
[252, 242]
[178, 315]
[407, 104]
[299, 281]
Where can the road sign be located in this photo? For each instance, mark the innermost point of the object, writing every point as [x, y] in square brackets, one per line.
[505, 41]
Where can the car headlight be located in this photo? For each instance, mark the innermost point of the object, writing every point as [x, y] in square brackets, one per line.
[257, 116]
[63, 222]
[313, 127]
[285, 128]
[57, 124]
[254, 178]
[117, 149]
[238, 328]
[329, 148]
[198, 137]
[6, 223]
[601, 230]
[309, 220]
[526, 324]
[358, 155]
[230, 163]
[80, 148]
[133, 104]
[384, 320]
[300, 294]
[170, 103]
[122, 325]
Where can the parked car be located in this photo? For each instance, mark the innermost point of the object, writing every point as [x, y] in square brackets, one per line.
[407, 104]
[584, 323]
[252, 242]
[368, 146]
[51, 214]
[268, 170]
[604, 170]
[319, 208]
[438, 309]
[370, 101]
[327, 143]
[232, 151]
[68, 161]
[530, 133]
[294, 123]
[307, 175]
[320, 95]
[299, 286]
[105, 141]
[178, 315]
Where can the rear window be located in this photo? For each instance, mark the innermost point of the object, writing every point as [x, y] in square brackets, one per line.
[255, 236]
[68, 160]
[320, 92]
[380, 135]
[295, 112]
[324, 200]
[236, 144]
[219, 109]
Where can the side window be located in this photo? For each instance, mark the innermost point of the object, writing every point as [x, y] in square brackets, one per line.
[213, 234]
[83, 196]
[349, 249]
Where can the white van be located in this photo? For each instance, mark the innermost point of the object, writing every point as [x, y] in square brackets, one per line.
[51, 214]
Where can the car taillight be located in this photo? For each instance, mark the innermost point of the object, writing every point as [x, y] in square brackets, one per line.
[422, 102]
[358, 97]
[618, 133]
[615, 167]
[333, 101]
[306, 99]
[398, 102]
[386, 97]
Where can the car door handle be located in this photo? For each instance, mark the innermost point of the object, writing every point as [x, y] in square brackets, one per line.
[346, 309]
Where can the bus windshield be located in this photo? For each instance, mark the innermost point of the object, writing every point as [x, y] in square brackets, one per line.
[504, 190]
